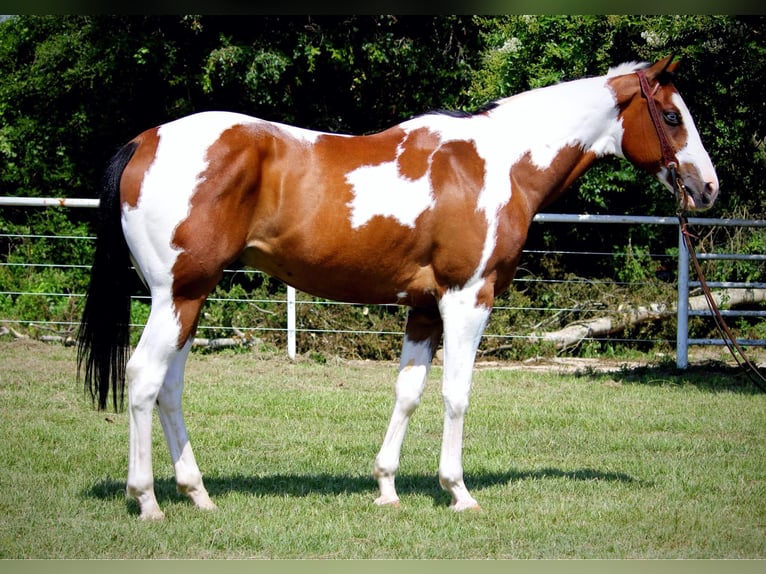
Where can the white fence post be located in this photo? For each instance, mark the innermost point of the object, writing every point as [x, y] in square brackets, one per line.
[291, 322]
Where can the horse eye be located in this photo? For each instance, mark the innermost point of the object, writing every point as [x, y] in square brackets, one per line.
[672, 118]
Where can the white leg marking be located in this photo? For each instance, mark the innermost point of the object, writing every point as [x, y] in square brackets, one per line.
[413, 372]
[188, 475]
[464, 323]
[146, 372]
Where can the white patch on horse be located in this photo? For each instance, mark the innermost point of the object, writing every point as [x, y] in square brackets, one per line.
[382, 191]
[694, 152]
[165, 197]
[541, 123]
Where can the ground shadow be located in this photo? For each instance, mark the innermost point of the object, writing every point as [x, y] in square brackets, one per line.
[713, 376]
[299, 485]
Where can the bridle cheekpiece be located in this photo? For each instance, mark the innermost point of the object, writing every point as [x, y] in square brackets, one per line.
[669, 159]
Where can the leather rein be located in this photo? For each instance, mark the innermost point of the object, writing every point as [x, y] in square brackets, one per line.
[670, 162]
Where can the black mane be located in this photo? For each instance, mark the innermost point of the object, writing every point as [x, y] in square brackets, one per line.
[463, 114]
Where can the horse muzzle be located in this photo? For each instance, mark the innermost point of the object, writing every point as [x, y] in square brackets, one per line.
[699, 197]
[694, 193]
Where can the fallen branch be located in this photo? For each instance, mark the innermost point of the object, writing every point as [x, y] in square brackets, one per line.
[218, 343]
[239, 340]
[11, 331]
[628, 316]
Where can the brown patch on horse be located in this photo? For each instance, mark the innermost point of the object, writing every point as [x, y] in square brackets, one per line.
[459, 228]
[416, 149]
[532, 188]
[215, 232]
[308, 241]
[134, 172]
[640, 143]
[542, 186]
[343, 154]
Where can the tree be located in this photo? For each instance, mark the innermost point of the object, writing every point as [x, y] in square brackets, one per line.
[73, 89]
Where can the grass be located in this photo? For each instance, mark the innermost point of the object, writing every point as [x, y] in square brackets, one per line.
[640, 463]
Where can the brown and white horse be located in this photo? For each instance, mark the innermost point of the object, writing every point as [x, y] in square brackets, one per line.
[431, 213]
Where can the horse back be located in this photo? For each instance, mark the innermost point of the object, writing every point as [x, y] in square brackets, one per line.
[389, 217]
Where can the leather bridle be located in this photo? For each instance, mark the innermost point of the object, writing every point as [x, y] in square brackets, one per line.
[669, 159]
[670, 162]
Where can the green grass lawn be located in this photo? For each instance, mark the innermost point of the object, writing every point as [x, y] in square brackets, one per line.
[627, 464]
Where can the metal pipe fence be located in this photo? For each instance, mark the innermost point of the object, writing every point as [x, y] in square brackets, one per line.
[288, 305]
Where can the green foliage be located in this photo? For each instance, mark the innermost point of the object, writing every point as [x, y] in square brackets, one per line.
[37, 289]
[74, 88]
[354, 73]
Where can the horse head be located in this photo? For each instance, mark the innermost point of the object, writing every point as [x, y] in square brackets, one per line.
[659, 134]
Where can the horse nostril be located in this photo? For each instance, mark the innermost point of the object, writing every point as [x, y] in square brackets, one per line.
[709, 194]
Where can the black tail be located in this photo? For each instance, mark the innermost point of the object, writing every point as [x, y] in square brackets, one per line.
[103, 338]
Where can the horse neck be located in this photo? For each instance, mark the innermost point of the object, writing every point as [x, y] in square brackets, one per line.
[554, 134]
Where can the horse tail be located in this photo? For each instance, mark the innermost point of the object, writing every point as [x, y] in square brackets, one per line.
[103, 339]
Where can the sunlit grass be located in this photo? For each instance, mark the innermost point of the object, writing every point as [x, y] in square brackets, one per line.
[631, 464]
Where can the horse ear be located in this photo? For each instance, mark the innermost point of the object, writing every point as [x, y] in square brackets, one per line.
[663, 70]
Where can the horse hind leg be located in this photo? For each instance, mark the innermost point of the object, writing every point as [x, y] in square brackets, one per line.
[155, 377]
[145, 373]
[187, 473]
[422, 335]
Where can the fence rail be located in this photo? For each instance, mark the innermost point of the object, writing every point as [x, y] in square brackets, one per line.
[291, 301]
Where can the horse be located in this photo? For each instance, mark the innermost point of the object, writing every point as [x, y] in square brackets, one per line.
[431, 214]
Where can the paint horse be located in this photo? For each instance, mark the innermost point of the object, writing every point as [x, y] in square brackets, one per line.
[431, 213]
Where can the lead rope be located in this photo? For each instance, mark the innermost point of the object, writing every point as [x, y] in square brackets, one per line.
[736, 350]
[671, 164]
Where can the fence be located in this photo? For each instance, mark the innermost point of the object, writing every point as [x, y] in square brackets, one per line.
[291, 300]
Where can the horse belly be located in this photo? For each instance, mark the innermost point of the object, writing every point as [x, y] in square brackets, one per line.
[353, 268]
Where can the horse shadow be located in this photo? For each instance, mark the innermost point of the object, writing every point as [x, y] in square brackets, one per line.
[713, 376]
[300, 485]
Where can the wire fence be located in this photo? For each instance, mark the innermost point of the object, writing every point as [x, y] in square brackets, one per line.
[283, 316]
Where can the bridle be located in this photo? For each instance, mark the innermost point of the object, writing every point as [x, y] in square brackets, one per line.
[670, 162]
[669, 159]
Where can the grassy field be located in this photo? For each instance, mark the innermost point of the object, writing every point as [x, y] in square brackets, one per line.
[639, 463]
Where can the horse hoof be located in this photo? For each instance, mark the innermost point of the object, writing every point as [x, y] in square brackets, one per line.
[152, 516]
[465, 505]
[208, 507]
[203, 502]
[392, 502]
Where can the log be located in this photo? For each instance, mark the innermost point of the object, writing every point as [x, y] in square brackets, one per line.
[628, 316]
[239, 340]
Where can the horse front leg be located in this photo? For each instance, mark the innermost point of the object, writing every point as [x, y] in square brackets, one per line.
[465, 314]
[422, 334]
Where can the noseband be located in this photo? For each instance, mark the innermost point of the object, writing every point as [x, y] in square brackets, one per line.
[669, 159]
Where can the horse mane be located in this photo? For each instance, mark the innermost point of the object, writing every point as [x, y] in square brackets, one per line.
[663, 78]
[463, 114]
[618, 70]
